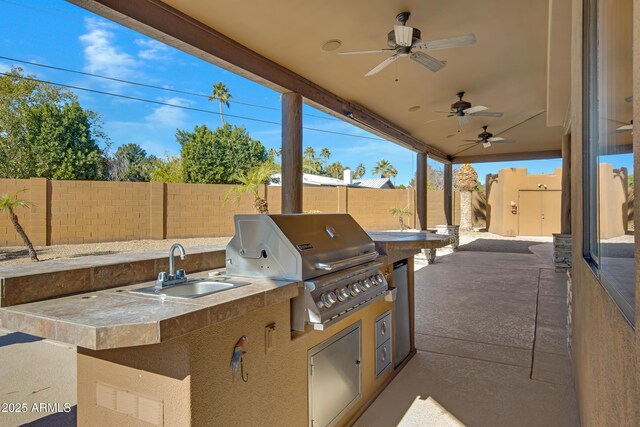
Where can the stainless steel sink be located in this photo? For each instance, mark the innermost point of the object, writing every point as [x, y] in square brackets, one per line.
[192, 288]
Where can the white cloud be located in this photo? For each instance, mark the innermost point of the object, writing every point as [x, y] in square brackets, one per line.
[152, 49]
[102, 55]
[169, 117]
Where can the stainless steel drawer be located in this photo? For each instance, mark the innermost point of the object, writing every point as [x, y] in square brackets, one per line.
[383, 357]
[383, 328]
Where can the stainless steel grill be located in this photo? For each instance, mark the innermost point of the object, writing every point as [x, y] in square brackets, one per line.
[330, 253]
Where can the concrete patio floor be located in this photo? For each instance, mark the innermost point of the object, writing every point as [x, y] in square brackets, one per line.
[491, 339]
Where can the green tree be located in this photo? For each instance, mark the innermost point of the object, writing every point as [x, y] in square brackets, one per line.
[335, 170]
[131, 163]
[216, 157]
[325, 154]
[630, 181]
[221, 93]
[8, 204]
[272, 154]
[44, 132]
[250, 182]
[360, 171]
[310, 163]
[400, 213]
[385, 169]
[168, 170]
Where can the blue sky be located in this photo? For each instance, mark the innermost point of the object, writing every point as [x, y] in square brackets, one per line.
[57, 33]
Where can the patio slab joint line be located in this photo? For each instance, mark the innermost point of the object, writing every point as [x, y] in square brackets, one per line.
[535, 325]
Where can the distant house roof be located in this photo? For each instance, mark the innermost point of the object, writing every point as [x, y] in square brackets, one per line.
[311, 179]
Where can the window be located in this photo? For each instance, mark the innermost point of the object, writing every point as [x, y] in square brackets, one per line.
[608, 184]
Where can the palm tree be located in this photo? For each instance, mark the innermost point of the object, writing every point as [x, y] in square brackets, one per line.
[222, 94]
[401, 213]
[325, 154]
[466, 181]
[385, 169]
[8, 203]
[360, 171]
[250, 183]
[309, 152]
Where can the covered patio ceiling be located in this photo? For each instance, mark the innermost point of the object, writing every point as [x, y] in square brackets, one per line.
[519, 65]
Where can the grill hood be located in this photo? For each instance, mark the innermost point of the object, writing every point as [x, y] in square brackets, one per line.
[296, 246]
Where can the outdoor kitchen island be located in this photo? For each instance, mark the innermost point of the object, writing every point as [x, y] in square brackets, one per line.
[144, 360]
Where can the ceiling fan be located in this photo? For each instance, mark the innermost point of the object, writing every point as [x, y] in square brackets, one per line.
[486, 138]
[626, 128]
[406, 42]
[461, 109]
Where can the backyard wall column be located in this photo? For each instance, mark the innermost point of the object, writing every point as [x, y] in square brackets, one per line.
[291, 153]
[448, 193]
[421, 191]
[158, 214]
[38, 197]
[565, 206]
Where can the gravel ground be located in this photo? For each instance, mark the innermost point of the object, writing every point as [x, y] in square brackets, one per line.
[19, 255]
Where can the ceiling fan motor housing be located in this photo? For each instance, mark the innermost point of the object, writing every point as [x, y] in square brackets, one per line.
[391, 38]
[458, 107]
[485, 135]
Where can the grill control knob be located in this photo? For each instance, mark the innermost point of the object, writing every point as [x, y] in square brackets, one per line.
[366, 283]
[378, 279]
[354, 288]
[343, 294]
[328, 299]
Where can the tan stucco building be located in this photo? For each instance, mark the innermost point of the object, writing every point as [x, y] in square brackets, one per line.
[522, 204]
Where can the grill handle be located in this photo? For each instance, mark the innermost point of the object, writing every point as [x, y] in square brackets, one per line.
[347, 262]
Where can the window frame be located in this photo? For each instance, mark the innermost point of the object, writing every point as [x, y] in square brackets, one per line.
[590, 158]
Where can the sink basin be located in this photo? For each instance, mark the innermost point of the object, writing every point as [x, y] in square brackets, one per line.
[192, 288]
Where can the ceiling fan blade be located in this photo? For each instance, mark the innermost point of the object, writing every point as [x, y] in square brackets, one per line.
[451, 42]
[476, 109]
[625, 128]
[362, 52]
[435, 120]
[381, 66]
[487, 114]
[503, 141]
[496, 138]
[403, 35]
[427, 61]
[462, 121]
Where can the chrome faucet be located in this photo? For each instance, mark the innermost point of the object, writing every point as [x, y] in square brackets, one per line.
[174, 277]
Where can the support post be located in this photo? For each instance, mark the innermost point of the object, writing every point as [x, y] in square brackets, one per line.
[448, 193]
[291, 153]
[565, 206]
[421, 191]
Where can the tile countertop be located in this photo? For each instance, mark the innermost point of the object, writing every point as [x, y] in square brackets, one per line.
[399, 245]
[115, 318]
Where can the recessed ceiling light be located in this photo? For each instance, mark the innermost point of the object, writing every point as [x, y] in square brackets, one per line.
[414, 108]
[331, 45]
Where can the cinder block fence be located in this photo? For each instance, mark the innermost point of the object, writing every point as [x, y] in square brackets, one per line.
[70, 212]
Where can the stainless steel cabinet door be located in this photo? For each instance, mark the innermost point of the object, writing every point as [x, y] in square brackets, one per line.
[334, 377]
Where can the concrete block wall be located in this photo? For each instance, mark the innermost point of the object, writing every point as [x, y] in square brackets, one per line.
[72, 212]
[8, 236]
[95, 211]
